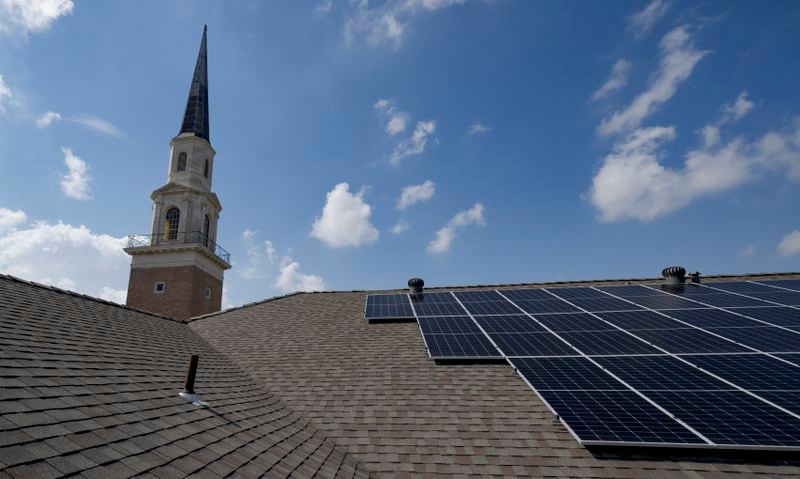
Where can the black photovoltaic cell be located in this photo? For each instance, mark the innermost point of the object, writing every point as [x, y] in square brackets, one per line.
[616, 416]
[635, 320]
[660, 372]
[731, 417]
[713, 318]
[573, 322]
[436, 304]
[767, 339]
[787, 298]
[570, 293]
[784, 283]
[546, 306]
[460, 346]
[688, 340]
[491, 307]
[663, 301]
[608, 342]
[531, 344]
[448, 325]
[564, 373]
[606, 303]
[629, 290]
[526, 294]
[751, 371]
[783, 398]
[725, 300]
[742, 287]
[778, 316]
[509, 324]
[388, 306]
[478, 296]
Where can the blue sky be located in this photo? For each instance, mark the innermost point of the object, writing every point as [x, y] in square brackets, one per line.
[535, 141]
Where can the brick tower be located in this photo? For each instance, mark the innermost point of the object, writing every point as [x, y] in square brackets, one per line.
[177, 270]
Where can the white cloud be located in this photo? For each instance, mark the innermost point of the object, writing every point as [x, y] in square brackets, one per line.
[678, 59]
[115, 295]
[323, 8]
[28, 16]
[259, 256]
[75, 182]
[790, 244]
[737, 110]
[90, 122]
[633, 184]
[70, 257]
[413, 194]
[5, 94]
[47, 118]
[291, 279]
[445, 236]
[97, 124]
[389, 21]
[414, 145]
[395, 119]
[617, 79]
[749, 250]
[400, 227]
[345, 219]
[641, 22]
[477, 128]
[729, 113]
[9, 219]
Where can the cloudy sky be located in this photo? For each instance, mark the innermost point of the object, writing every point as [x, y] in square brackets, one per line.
[360, 144]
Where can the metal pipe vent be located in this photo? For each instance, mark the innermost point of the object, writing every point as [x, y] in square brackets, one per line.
[415, 285]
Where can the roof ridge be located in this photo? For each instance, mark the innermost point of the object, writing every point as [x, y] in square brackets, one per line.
[84, 296]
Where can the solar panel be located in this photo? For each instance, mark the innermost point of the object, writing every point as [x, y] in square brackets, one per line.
[509, 324]
[436, 304]
[616, 417]
[768, 339]
[689, 340]
[774, 315]
[388, 306]
[731, 417]
[660, 372]
[683, 365]
[784, 283]
[751, 371]
[459, 346]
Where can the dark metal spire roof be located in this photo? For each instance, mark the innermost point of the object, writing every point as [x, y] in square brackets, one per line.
[195, 118]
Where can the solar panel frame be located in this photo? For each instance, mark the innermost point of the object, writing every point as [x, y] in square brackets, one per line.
[768, 339]
[519, 323]
[460, 346]
[776, 315]
[745, 287]
[560, 323]
[548, 306]
[614, 343]
[792, 284]
[659, 372]
[750, 371]
[448, 325]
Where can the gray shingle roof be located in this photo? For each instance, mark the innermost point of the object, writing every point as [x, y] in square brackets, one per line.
[372, 388]
[299, 385]
[89, 388]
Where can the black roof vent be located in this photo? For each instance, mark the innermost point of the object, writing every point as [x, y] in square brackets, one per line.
[416, 284]
[674, 275]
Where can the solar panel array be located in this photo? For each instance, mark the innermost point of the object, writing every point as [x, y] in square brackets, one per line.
[711, 365]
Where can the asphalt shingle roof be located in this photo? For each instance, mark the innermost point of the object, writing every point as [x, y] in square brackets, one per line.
[298, 386]
[90, 389]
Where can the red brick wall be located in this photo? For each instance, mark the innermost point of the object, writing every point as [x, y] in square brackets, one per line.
[183, 295]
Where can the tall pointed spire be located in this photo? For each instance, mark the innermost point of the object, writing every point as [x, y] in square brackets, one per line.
[195, 118]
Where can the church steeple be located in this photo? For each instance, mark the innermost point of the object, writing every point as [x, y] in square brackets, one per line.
[195, 118]
[178, 269]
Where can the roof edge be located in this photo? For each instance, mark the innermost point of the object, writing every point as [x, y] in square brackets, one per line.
[84, 296]
[496, 285]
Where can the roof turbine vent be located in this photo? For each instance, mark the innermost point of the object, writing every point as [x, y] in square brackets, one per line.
[674, 275]
[416, 284]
